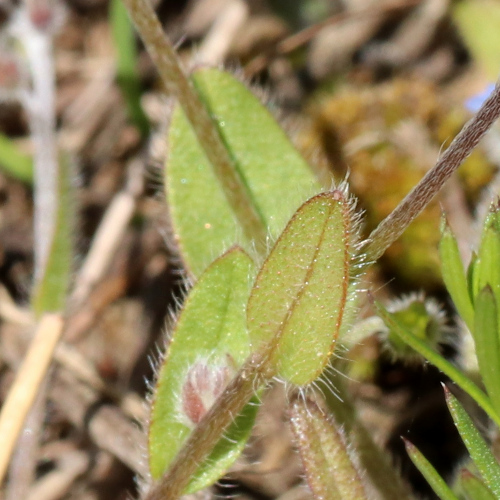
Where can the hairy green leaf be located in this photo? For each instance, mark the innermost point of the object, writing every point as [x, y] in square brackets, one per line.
[209, 343]
[298, 300]
[479, 451]
[380, 472]
[51, 292]
[436, 482]
[330, 470]
[277, 178]
[454, 275]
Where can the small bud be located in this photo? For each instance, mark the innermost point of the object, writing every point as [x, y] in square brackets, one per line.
[204, 383]
[424, 318]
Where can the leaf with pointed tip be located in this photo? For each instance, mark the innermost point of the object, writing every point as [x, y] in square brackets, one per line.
[209, 343]
[479, 451]
[329, 468]
[454, 275]
[436, 482]
[487, 265]
[276, 176]
[474, 488]
[297, 303]
[52, 290]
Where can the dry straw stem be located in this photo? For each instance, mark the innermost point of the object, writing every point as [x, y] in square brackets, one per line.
[393, 226]
[26, 385]
[178, 85]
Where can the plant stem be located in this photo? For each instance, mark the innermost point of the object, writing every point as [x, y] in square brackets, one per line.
[177, 84]
[36, 38]
[209, 431]
[391, 228]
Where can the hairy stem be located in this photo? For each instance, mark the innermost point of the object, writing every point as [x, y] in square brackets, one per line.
[393, 226]
[209, 431]
[39, 101]
[177, 84]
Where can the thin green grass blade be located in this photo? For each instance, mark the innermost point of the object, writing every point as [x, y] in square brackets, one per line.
[439, 362]
[277, 178]
[474, 488]
[51, 292]
[209, 343]
[454, 275]
[299, 297]
[330, 470]
[126, 64]
[479, 451]
[14, 162]
[487, 342]
[436, 482]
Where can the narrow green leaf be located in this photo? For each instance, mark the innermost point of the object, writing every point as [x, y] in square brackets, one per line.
[208, 345]
[14, 162]
[454, 275]
[487, 270]
[329, 468]
[126, 64]
[487, 342]
[474, 488]
[478, 23]
[297, 303]
[277, 178]
[436, 482]
[51, 292]
[479, 451]
[439, 362]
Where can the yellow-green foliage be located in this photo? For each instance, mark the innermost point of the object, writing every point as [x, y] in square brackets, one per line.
[356, 130]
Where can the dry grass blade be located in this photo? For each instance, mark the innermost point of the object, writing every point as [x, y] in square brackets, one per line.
[26, 385]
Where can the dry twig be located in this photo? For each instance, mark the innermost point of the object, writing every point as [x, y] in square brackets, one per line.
[27, 384]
